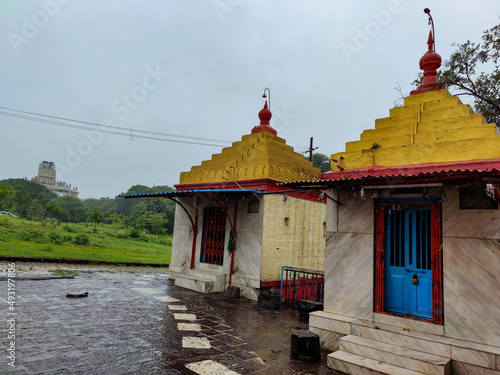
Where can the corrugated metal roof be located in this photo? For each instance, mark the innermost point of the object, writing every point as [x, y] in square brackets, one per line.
[429, 172]
[187, 193]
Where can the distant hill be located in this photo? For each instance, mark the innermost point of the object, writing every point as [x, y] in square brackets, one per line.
[36, 191]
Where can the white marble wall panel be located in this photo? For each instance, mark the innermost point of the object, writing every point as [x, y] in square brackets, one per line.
[349, 275]
[332, 211]
[468, 223]
[248, 252]
[472, 289]
[355, 215]
[182, 240]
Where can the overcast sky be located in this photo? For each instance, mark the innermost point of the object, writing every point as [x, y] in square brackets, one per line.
[198, 69]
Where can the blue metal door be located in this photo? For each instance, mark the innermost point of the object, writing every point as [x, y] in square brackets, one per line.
[408, 271]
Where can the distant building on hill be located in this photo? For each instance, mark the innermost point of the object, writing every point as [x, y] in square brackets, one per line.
[47, 177]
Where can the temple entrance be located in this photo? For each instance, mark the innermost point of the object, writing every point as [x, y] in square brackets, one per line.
[213, 236]
[409, 259]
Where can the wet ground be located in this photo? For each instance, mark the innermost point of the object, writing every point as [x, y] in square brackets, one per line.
[135, 321]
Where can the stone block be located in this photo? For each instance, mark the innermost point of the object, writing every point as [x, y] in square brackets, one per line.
[233, 292]
[305, 346]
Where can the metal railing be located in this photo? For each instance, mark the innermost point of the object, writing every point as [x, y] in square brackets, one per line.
[301, 284]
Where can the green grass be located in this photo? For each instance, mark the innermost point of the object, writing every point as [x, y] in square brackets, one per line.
[23, 238]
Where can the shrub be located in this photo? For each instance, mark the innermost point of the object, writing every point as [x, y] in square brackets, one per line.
[33, 234]
[4, 222]
[55, 238]
[165, 240]
[81, 239]
[70, 229]
[143, 238]
[134, 233]
[67, 238]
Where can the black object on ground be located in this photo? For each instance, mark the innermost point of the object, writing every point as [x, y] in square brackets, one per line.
[233, 292]
[306, 306]
[305, 345]
[270, 301]
[77, 295]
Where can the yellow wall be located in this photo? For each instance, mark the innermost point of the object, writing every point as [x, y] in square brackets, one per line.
[430, 127]
[293, 235]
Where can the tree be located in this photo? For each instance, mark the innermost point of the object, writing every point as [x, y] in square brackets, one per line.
[464, 72]
[5, 192]
[321, 161]
[54, 210]
[76, 210]
[96, 217]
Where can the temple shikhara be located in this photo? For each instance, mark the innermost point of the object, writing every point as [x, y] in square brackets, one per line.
[405, 226]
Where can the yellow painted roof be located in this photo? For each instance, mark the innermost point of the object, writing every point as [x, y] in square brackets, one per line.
[430, 127]
[256, 156]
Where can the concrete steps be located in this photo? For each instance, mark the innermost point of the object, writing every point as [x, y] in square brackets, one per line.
[194, 283]
[201, 281]
[367, 347]
[355, 364]
[395, 355]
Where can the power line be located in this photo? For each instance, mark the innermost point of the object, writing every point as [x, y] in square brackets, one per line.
[106, 126]
[107, 131]
[112, 129]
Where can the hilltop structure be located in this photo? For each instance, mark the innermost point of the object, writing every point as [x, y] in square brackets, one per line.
[47, 177]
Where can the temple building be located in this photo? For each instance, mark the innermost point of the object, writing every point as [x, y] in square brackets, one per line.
[234, 225]
[412, 267]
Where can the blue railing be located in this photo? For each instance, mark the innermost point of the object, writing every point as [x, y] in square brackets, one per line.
[301, 284]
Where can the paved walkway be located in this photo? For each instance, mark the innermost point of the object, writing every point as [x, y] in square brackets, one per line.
[135, 321]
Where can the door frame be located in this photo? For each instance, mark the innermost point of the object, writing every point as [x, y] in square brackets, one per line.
[436, 254]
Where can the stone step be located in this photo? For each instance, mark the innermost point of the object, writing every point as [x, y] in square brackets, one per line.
[419, 341]
[198, 284]
[395, 355]
[358, 365]
[219, 279]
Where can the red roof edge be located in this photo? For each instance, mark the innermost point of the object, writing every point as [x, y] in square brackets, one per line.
[480, 165]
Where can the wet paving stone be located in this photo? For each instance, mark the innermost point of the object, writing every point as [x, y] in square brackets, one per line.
[149, 328]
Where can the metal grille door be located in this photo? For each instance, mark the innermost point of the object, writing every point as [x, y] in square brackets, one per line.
[213, 235]
[408, 261]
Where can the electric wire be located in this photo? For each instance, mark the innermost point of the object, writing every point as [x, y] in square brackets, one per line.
[130, 131]
[109, 126]
[107, 131]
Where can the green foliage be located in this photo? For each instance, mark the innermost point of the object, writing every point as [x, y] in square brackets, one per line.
[69, 228]
[96, 217]
[375, 145]
[474, 70]
[56, 238]
[44, 239]
[74, 209]
[5, 192]
[52, 209]
[321, 161]
[33, 234]
[81, 239]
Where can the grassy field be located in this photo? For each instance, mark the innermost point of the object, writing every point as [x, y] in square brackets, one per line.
[23, 238]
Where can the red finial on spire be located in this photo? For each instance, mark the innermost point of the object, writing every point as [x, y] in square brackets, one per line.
[429, 63]
[264, 116]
